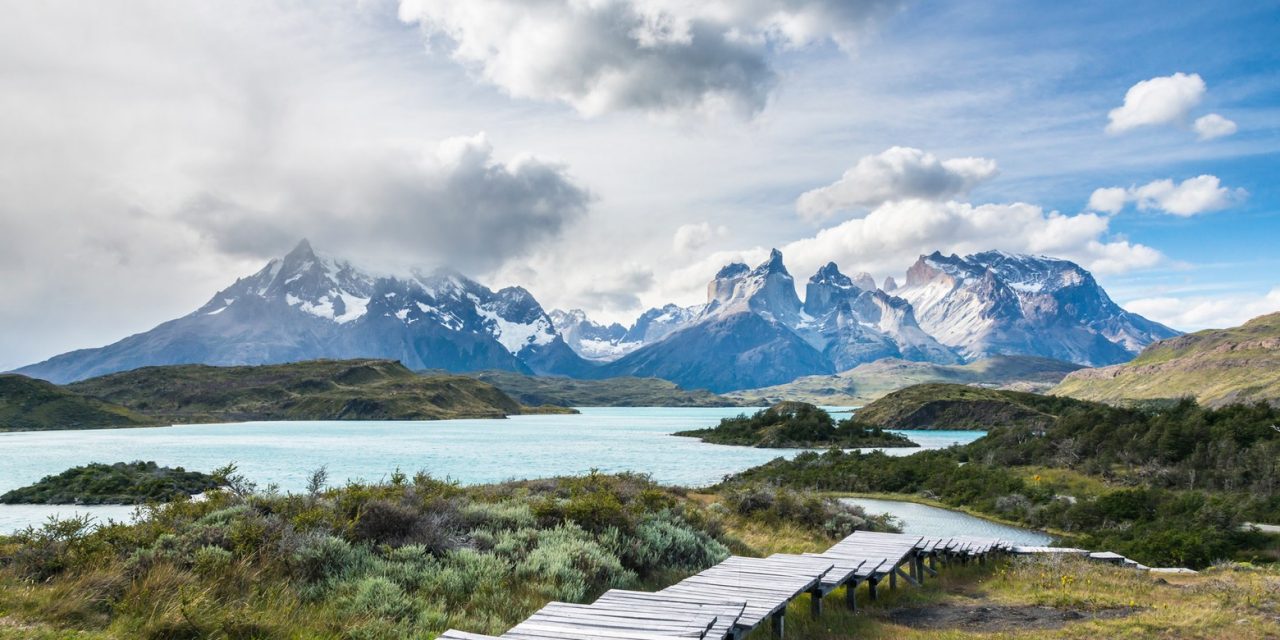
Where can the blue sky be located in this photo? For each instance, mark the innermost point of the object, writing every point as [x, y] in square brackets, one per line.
[612, 155]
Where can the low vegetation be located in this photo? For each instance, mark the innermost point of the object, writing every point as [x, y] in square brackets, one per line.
[1216, 367]
[119, 483]
[403, 559]
[608, 392]
[797, 425]
[958, 406]
[1167, 488]
[27, 404]
[873, 380]
[315, 390]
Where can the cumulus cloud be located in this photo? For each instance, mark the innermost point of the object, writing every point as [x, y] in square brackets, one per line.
[1212, 126]
[902, 230]
[1201, 194]
[1199, 312]
[1158, 101]
[1109, 199]
[457, 205]
[896, 174]
[691, 237]
[650, 55]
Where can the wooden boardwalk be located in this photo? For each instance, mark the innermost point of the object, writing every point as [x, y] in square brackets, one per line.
[729, 600]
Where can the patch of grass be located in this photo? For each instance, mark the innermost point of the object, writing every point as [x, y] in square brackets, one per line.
[314, 390]
[608, 392]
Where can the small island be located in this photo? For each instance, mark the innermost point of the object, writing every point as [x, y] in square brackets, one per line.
[120, 483]
[797, 425]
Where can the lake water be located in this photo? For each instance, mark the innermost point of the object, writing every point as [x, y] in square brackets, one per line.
[924, 520]
[470, 451]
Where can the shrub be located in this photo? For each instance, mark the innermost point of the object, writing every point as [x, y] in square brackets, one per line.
[565, 563]
[390, 523]
[211, 561]
[377, 596]
[666, 542]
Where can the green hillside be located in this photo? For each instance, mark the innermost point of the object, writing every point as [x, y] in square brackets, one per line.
[797, 425]
[27, 404]
[315, 390]
[1216, 367]
[957, 406]
[873, 380]
[609, 392]
[119, 483]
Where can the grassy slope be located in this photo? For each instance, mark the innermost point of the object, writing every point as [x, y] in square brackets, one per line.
[609, 392]
[956, 406]
[874, 380]
[1217, 367]
[27, 404]
[315, 390]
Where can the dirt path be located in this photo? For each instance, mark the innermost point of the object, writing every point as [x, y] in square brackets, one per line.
[997, 617]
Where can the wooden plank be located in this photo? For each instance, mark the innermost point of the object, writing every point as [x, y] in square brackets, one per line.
[453, 634]
[727, 612]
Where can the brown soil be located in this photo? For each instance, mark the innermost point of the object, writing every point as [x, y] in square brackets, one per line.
[997, 617]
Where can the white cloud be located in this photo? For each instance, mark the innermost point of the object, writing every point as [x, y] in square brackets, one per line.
[1213, 126]
[1158, 101]
[1201, 312]
[456, 205]
[897, 173]
[652, 55]
[899, 231]
[1109, 199]
[1201, 194]
[691, 237]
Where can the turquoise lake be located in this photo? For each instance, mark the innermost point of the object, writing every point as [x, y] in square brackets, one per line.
[469, 451]
[924, 520]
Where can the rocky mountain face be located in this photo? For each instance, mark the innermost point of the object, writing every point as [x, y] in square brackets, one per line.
[995, 303]
[852, 322]
[753, 331]
[305, 306]
[951, 310]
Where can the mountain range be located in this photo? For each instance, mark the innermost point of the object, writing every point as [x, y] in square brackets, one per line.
[753, 331]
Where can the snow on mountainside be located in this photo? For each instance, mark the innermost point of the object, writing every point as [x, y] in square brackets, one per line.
[305, 306]
[601, 343]
[853, 324]
[951, 310]
[996, 303]
[591, 339]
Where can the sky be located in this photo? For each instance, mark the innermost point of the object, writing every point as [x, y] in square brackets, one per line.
[611, 155]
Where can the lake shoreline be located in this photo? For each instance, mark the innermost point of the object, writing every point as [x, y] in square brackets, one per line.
[938, 504]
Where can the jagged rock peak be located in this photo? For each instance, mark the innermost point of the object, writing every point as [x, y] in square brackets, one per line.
[864, 281]
[830, 274]
[890, 284]
[732, 270]
[773, 264]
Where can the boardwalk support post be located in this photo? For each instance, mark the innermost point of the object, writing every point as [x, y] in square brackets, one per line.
[893, 578]
[815, 602]
[779, 621]
[871, 588]
[851, 595]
